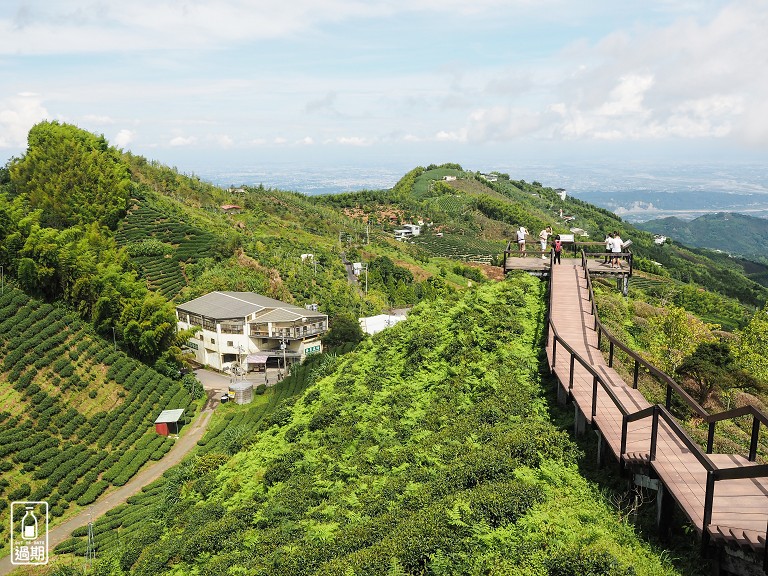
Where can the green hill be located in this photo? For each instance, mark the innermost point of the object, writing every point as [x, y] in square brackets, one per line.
[444, 463]
[427, 450]
[737, 234]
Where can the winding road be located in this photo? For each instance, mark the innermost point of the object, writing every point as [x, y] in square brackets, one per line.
[181, 448]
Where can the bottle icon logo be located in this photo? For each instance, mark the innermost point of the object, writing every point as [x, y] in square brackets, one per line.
[29, 533]
[29, 524]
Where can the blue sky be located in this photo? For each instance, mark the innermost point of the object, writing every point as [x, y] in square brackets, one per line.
[230, 82]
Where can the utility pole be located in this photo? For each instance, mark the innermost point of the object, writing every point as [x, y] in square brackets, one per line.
[90, 548]
[367, 233]
[366, 278]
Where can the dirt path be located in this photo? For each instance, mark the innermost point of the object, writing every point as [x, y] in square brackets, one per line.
[111, 499]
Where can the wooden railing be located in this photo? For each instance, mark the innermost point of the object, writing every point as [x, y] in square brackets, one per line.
[657, 411]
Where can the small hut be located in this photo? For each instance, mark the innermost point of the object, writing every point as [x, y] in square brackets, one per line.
[168, 421]
[241, 392]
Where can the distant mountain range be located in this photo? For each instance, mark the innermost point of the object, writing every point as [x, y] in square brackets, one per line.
[730, 232]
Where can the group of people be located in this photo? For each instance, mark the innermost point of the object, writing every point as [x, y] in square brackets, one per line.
[544, 235]
[614, 245]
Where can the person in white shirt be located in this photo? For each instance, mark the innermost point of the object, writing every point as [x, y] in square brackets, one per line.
[617, 246]
[521, 234]
[543, 237]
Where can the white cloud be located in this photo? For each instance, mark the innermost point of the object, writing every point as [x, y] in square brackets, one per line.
[182, 141]
[80, 26]
[354, 141]
[451, 136]
[17, 115]
[307, 141]
[123, 138]
[95, 119]
[224, 141]
[694, 79]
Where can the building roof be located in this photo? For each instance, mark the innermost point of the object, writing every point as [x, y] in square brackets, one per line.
[284, 315]
[241, 385]
[224, 305]
[375, 324]
[168, 416]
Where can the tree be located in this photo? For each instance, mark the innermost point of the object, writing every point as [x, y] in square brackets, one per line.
[73, 176]
[344, 328]
[712, 367]
[751, 348]
[675, 335]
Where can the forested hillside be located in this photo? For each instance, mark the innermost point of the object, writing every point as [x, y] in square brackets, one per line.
[736, 234]
[443, 463]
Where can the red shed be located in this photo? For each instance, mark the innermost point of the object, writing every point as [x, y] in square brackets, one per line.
[168, 421]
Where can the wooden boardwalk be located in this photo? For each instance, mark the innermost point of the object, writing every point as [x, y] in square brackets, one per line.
[725, 506]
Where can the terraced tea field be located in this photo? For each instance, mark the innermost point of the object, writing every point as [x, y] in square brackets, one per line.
[132, 521]
[160, 245]
[76, 415]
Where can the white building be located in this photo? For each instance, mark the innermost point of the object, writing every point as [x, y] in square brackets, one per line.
[247, 329]
[373, 324]
[407, 231]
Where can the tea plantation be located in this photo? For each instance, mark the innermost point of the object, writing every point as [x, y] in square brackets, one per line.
[160, 245]
[76, 416]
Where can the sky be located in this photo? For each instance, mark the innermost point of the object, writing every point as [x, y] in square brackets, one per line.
[204, 83]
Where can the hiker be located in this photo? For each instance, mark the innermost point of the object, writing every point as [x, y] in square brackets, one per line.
[617, 247]
[557, 246]
[543, 237]
[608, 247]
[521, 234]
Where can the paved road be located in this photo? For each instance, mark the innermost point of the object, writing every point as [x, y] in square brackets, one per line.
[183, 445]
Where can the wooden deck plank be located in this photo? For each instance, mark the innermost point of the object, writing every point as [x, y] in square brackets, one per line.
[740, 507]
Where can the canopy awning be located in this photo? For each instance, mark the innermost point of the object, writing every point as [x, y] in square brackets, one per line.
[169, 416]
[257, 358]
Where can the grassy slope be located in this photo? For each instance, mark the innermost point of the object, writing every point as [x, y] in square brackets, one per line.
[444, 462]
[75, 415]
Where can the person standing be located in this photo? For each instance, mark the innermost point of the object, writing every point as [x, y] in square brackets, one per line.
[543, 237]
[557, 246]
[521, 234]
[608, 247]
[616, 247]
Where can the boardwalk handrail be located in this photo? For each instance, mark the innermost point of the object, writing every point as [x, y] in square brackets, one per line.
[657, 411]
[758, 417]
[613, 342]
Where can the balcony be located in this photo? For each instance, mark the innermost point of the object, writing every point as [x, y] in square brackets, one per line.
[292, 333]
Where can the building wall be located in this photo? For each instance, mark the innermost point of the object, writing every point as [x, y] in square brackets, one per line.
[215, 344]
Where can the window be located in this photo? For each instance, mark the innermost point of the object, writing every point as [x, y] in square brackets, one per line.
[230, 343]
[213, 341]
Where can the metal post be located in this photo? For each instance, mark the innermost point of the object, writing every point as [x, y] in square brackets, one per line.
[753, 443]
[709, 497]
[654, 432]
[594, 396]
[610, 354]
[711, 437]
[637, 374]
